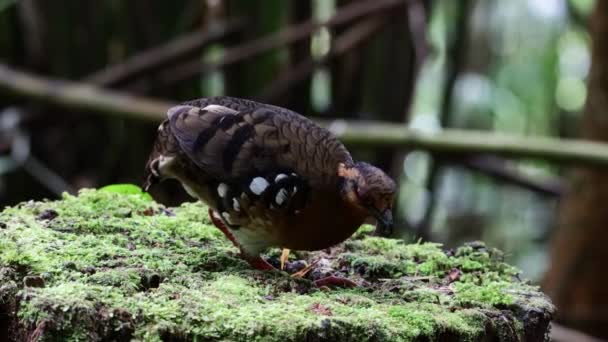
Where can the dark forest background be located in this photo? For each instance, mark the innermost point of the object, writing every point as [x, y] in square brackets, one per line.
[83, 85]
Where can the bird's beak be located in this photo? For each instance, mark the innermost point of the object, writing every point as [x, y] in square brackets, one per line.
[149, 180]
[147, 183]
[151, 173]
[385, 221]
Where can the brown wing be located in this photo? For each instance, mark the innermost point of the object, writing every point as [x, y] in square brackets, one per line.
[232, 138]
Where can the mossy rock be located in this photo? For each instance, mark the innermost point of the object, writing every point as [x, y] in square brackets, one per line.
[107, 266]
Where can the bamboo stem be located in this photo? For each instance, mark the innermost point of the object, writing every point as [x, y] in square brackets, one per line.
[454, 141]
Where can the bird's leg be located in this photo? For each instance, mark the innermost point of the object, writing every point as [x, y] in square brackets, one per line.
[257, 261]
[221, 226]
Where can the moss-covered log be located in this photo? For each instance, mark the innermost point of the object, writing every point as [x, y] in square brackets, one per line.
[110, 266]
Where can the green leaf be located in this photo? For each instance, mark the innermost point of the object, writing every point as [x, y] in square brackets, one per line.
[4, 4]
[126, 189]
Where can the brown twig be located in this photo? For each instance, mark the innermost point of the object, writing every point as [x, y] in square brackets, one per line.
[81, 96]
[284, 37]
[163, 56]
[350, 39]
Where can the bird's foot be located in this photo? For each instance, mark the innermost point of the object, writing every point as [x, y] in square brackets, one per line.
[325, 281]
[301, 273]
[258, 262]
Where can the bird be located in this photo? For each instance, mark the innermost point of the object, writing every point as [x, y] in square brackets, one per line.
[270, 176]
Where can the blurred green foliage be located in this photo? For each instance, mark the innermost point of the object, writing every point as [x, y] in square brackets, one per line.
[4, 4]
[525, 72]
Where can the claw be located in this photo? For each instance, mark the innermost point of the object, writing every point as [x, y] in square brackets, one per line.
[284, 258]
[301, 273]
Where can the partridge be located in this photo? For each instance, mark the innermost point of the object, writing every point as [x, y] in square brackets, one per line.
[271, 177]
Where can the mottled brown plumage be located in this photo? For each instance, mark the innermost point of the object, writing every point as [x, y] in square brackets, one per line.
[270, 176]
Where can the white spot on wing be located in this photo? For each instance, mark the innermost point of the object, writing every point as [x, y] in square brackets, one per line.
[211, 108]
[244, 200]
[281, 197]
[258, 185]
[222, 189]
[279, 177]
[236, 205]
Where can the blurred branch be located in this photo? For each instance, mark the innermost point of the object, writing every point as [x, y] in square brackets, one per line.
[80, 96]
[33, 23]
[347, 41]
[418, 20]
[19, 153]
[560, 333]
[576, 16]
[163, 56]
[467, 142]
[504, 171]
[455, 142]
[454, 64]
[47, 177]
[4, 4]
[286, 36]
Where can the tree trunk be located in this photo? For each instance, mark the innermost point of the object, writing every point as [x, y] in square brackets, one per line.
[577, 277]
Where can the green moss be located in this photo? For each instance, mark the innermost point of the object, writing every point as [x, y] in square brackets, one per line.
[393, 258]
[117, 266]
[490, 294]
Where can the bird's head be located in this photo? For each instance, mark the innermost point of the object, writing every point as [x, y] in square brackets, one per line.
[165, 148]
[370, 190]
